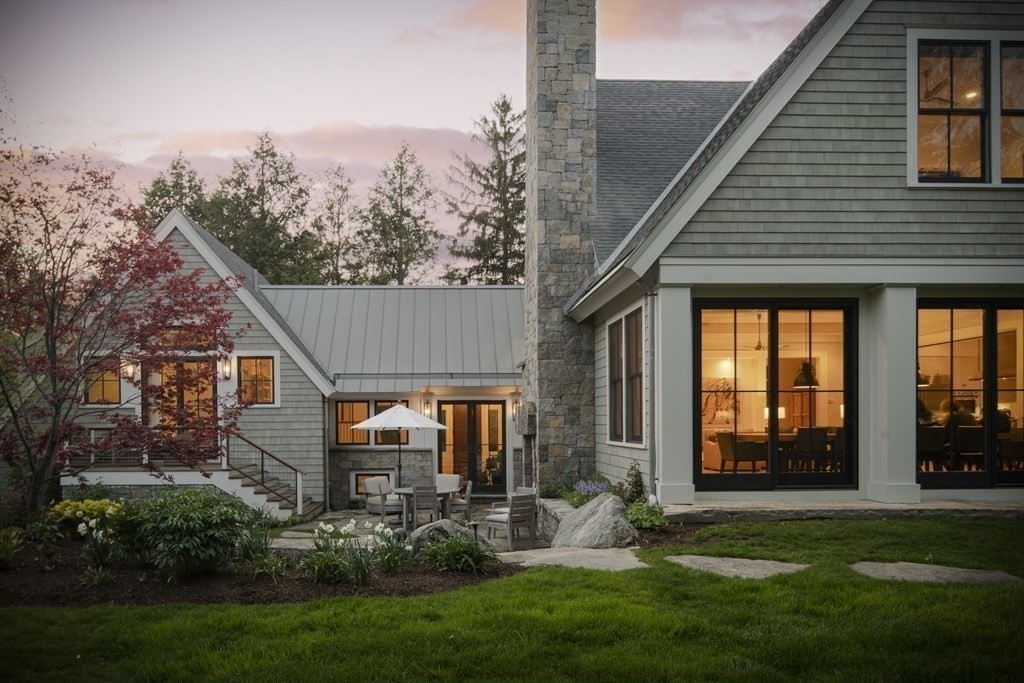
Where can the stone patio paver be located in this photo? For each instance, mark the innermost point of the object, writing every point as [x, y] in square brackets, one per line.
[736, 567]
[931, 573]
[610, 559]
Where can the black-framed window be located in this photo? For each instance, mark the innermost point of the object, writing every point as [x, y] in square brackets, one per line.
[774, 393]
[256, 379]
[1011, 111]
[970, 393]
[103, 384]
[615, 381]
[390, 437]
[352, 413]
[626, 378]
[634, 352]
[952, 111]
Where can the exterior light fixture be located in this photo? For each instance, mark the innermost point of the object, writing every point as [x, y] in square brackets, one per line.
[225, 368]
[426, 407]
[129, 369]
[805, 379]
[515, 410]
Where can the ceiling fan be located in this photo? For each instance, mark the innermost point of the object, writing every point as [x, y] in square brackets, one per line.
[760, 346]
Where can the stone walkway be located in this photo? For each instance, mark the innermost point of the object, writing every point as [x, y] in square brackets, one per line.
[931, 573]
[736, 567]
[612, 559]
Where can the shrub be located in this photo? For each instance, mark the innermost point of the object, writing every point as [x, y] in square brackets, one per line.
[192, 531]
[325, 566]
[89, 492]
[553, 490]
[127, 526]
[585, 491]
[43, 531]
[253, 543]
[644, 516]
[73, 512]
[269, 564]
[634, 489]
[459, 554]
[11, 540]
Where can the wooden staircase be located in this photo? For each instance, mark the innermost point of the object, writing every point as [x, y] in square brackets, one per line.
[269, 479]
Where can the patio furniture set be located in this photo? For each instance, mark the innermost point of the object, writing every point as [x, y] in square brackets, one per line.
[446, 497]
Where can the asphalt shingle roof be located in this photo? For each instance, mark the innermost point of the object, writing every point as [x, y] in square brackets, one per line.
[646, 132]
[753, 96]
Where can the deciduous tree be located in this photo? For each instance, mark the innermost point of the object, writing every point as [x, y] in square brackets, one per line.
[88, 293]
[491, 202]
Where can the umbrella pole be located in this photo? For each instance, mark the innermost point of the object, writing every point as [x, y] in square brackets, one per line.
[399, 458]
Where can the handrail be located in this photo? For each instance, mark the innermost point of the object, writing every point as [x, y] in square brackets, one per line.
[263, 469]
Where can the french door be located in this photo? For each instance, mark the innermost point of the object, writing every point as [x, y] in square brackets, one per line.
[775, 394]
[473, 445]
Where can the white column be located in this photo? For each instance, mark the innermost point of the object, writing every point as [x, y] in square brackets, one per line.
[673, 361]
[889, 426]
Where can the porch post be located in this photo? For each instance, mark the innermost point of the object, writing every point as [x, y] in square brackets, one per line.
[674, 394]
[889, 426]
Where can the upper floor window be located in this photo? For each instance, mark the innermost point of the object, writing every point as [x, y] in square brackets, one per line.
[967, 91]
[626, 378]
[103, 384]
[256, 379]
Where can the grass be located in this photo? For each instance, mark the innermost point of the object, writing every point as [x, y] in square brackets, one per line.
[666, 622]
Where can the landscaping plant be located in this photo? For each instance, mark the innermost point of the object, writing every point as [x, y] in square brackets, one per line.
[337, 557]
[585, 491]
[10, 543]
[390, 550]
[644, 516]
[100, 544]
[193, 531]
[634, 490]
[72, 512]
[460, 554]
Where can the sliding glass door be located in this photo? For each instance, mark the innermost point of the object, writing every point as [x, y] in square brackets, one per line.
[775, 395]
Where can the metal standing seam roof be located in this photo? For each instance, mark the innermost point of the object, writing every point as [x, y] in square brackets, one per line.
[753, 96]
[646, 132]
[398, 339]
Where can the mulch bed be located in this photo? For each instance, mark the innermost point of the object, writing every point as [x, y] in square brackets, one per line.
[29, 583]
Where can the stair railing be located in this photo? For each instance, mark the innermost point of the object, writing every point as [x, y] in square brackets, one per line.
[241, 456]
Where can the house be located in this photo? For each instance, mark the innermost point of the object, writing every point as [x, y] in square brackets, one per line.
[318, 360]
[806, 287]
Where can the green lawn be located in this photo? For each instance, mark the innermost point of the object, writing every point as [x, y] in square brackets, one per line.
[666, 622]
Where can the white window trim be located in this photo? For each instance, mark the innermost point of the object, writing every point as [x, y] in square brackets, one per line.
[235, 382]
[621, 316]
[995, 39]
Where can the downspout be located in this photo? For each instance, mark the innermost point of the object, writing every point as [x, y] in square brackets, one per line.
[327, 454]
[652, 443]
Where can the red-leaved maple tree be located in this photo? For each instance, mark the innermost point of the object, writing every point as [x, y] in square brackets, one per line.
[86, 296]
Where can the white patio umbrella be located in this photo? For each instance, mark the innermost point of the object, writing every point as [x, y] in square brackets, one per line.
[398, 417]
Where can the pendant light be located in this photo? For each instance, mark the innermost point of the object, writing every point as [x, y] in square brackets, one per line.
[805, 379]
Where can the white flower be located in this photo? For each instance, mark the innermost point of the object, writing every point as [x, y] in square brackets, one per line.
[322, 526]
[379, 528]
[92, 523]
[389, 532]
[367, 524]
[111, 510]
[79, 514]
[82, 529]
[408, 547]
[329, 529]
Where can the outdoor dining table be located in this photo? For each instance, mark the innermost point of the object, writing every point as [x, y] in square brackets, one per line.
[443, 492]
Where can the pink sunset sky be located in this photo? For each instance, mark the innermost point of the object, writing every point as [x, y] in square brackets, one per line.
[343, 81]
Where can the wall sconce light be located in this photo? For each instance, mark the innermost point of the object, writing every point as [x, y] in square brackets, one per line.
[225, 368]
[842, 411]
[426, 407]
[129, 369]
[515, 410]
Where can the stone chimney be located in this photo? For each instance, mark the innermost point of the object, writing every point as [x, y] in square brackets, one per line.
[561, 137]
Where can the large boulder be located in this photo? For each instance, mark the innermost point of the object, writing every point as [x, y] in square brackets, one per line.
[601, 523]
[440, 530]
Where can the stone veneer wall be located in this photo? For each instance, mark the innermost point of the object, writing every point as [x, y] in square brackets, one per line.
[417, 468]
[561, 138]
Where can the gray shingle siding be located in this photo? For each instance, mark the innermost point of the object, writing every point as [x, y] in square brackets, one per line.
[295, 431]
[828, 177]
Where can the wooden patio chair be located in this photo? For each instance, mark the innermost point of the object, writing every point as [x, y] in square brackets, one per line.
[424, 499]
[462, 503]
[522, 513]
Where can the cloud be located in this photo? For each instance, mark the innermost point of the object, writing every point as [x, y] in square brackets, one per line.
[417, 36]
[638, 21]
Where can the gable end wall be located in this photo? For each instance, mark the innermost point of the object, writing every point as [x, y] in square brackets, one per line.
[828, 176]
